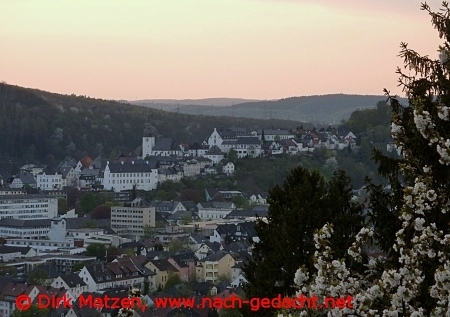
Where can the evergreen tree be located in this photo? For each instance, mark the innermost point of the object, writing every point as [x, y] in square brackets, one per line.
[303, 204]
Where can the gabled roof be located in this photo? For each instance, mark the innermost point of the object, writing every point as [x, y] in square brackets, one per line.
[216, 204]
[216, 256]
[249, 140]
[135, 167]
[214, 150]
[26, 178]
[73, 280]
[64, 170]
[198, 238]
[15, 289]
[86, 161]
[5, 249]
[164, 265]
[165, 144]
[160, 254]
[275, 132]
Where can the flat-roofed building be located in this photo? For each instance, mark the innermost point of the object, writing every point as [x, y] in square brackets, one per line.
[31, 206]
[25, 228]
[130, 220]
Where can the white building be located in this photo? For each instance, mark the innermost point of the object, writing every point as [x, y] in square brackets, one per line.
[36, 206]
[130, 220]
[275, 134]
[215, 139]
[227, 167]
[123, 176]
[25, 229]
[214, 210]
[49, 181]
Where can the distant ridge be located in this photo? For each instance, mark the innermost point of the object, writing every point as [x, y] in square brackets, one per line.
[323, 109]
[220, 102]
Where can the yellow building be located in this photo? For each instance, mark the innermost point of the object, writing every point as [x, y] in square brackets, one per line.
[211, 267]
[163, 269]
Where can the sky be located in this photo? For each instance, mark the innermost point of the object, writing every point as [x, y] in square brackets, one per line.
[190, 49]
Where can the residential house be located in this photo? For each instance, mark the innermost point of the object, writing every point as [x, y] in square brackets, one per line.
[163, 269]
[226, 233]
[248, 147]
[167, 206]
[32, 169]
[71, 282]
[206, 249]
[227, 167]
[211, 267]
[139, 262]
[185, 264]
[23, 179]
[49, 181]
[69, 176]
[191, 168]
[100, 275]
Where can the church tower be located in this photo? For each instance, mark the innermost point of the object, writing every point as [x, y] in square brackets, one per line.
[149, 139]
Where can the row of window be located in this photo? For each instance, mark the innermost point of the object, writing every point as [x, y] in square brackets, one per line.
[119, 175]
[130, 181]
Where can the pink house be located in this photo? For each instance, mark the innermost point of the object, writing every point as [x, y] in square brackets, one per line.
[185, 264]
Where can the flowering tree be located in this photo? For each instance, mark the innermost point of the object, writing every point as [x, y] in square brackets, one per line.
[414, 279]
[129, 312]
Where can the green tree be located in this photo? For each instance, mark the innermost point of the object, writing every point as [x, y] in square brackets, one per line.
[232, 156]
[113, 253]
[88, 203]
[146, 287]
[172, 280]
[129, 252]
[33, 311]
[224, 278]
[7, 270]
[419, 187]
[77, 267]
[303, 204]
[277, 139]
[149, 232]
[241, 202]
[186, 219]
[63, 206]
[175, 245]
[38, 277]
[96, 249]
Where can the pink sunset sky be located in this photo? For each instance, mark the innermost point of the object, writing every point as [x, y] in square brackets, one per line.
[260, 49]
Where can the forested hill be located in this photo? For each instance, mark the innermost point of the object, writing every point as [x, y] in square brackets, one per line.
[38, 126]
[325, 109]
